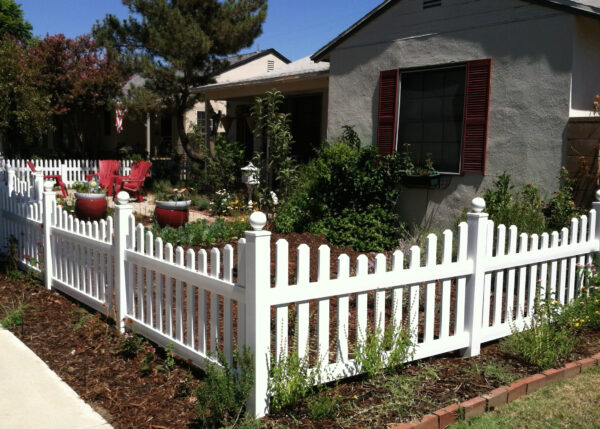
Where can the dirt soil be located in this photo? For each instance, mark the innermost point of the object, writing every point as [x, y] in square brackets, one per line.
[81, 347]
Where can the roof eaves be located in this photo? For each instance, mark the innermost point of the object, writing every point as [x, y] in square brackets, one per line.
[321, 53]
[261, 81]
[565, 5]
[256, 56]
[570, 6]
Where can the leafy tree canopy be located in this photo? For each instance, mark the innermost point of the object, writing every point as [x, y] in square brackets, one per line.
[25, 112]
[180, 44]
[12, 21]
[76, 73]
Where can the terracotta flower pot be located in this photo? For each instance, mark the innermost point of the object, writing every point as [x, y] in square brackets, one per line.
[90, 206]
[172, 213]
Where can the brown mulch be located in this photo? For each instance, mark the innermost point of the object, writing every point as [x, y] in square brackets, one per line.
[81, 348]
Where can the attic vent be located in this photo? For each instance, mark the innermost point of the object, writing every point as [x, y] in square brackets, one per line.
[270, 65]
[431, 3]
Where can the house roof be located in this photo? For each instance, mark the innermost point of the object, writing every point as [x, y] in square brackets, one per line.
[582, 7]
[241, 59]
[301, 69]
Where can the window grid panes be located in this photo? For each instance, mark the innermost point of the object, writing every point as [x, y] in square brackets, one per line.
[431, 116]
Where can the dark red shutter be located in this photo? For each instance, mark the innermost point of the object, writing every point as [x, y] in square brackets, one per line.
[386, 117]
[477, 100]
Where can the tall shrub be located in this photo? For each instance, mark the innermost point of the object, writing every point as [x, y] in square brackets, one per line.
[279, 168]
[349, 193]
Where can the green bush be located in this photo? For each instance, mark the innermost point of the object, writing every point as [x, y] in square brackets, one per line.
[526, 209]
[374, 230]
[585, 310]
[202, 232]
[13, 315]
[221, 399]
[546, 340]
[523, 208]
[343, 185]
[384, 351]
[322, 407]
[290, 380]
[561, 208]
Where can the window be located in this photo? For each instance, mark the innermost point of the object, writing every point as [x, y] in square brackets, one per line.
[442, 111]
[431, 116]
[201, 120]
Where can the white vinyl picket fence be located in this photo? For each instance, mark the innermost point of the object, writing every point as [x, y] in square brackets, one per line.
[478, 287]
[74, 170]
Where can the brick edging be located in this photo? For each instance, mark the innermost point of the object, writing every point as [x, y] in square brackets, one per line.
[474, 407]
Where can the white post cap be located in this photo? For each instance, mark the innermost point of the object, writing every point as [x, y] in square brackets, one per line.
[598, 195]
[258, 220]
[48, 186]
[122, 198]
[478, 204]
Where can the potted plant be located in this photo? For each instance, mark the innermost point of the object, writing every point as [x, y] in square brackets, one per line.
[171, 208]
[90, 200]
[418, 177]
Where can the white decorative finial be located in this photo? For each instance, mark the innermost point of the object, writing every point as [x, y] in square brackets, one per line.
[478, 204]
[48, 186]
[122, 198]
[258, 220]
[598, 195]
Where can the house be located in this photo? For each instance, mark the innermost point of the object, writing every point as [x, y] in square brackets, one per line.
[484, 86]
[304, 84]
[163, 129]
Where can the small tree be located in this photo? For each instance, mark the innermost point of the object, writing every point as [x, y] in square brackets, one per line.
[78, 77]
[280, 168]
[179, 45]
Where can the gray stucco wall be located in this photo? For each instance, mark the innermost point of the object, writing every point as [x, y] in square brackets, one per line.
[531, 48]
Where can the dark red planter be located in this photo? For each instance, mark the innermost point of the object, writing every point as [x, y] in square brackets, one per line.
[90, 206]
[171, 213]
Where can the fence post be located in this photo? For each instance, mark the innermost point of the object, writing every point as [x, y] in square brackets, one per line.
[10, 177]
[596, 207]
[38, 185]
[49, 202]
[122, 212]
[258, 319]
[476, 252]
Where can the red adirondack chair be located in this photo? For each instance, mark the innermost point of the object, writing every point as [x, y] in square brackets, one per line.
[108, 169]
[135, 181]
[55, 177]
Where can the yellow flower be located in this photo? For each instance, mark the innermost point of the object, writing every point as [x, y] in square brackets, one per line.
[576, 325]
[243, 219]
[596, 301]
[555, 302]
[597, 312]
[582, 321]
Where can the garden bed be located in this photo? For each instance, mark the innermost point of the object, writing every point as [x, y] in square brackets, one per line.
[81, 348]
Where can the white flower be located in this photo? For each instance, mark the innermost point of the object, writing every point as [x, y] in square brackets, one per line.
[274, 198]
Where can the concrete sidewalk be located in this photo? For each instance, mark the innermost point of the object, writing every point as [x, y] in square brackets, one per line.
[32, 396]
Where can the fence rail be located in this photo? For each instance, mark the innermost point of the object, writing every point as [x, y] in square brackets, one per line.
[468, 288]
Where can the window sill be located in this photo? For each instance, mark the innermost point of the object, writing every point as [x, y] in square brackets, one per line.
[432, 181]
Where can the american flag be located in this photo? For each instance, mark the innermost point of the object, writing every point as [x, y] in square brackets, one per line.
[119, 116]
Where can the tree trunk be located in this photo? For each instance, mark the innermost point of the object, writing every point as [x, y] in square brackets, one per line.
[191, 153]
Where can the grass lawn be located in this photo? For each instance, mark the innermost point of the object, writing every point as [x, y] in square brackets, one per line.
[573, 403]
